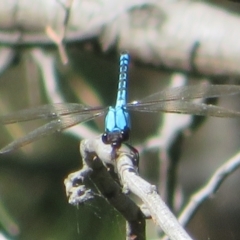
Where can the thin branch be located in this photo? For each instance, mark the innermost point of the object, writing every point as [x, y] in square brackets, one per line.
[46, 64]
[160, 213]
[172, 128]
[58, 39]
[109, 189]
[126, 169]
[209, 189]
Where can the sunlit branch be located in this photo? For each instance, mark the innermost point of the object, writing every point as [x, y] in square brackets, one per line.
[209, 189]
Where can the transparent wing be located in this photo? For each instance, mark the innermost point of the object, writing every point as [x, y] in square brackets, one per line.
[49, 111]
[185, 107]
[190, 92]
[56, 125]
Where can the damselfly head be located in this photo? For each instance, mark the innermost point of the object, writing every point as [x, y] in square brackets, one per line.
[116, 138]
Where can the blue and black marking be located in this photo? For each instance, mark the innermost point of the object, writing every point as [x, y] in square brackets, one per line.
[117, 121]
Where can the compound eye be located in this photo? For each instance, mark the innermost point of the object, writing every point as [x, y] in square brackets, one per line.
[125, 134]
[105, 138]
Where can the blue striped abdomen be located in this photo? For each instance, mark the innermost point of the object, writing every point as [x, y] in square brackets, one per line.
[117, 121]
[123, 80]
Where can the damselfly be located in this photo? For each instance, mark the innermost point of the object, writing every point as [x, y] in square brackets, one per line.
[117, 121]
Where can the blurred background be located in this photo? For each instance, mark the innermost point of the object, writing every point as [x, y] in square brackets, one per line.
[33, 204]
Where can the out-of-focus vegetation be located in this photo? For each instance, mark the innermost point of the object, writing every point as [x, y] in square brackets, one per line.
[33, 201]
